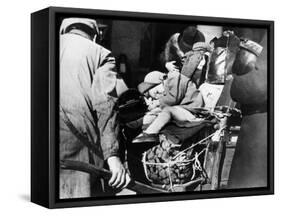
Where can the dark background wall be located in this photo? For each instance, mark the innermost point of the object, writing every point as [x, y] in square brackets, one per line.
[143, 43]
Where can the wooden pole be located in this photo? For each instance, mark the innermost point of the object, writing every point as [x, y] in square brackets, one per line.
[106, 174]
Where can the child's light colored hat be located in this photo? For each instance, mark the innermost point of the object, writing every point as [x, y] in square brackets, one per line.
[151, 80]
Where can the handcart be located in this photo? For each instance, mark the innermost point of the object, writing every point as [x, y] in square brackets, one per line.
[208, 145]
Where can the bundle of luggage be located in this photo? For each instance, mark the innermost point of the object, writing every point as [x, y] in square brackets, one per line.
[164, 164]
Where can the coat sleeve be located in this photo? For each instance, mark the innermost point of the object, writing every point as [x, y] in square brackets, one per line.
[250, 88]
[108, 128]
[104, 83]
[172, 51]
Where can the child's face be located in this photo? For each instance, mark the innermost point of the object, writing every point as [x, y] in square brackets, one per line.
[157, 91]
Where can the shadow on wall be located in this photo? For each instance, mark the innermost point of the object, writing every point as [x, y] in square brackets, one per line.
[142, 43]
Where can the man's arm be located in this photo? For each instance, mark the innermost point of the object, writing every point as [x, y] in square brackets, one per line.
[104, 85]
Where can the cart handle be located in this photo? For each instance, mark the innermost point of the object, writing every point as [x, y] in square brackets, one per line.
[106, 174]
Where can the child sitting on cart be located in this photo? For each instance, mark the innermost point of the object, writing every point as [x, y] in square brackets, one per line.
[170, 97]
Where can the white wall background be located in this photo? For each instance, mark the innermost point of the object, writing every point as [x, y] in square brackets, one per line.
[15, 107]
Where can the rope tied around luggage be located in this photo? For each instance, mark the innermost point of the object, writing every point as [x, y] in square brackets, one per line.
[179, 164]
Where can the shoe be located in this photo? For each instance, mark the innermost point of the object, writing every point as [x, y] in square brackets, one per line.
[145, 137]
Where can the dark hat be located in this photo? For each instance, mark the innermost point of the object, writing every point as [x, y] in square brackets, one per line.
[190, 36]
[151, 80]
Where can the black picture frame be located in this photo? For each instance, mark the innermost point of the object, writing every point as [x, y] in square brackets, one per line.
[45, 100]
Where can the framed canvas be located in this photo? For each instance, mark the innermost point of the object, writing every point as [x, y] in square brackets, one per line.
[138, 107]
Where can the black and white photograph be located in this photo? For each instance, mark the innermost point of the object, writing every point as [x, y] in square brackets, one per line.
[161, 107]
[128, 108]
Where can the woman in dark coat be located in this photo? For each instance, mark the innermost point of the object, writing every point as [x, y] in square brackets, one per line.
[249, 88]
